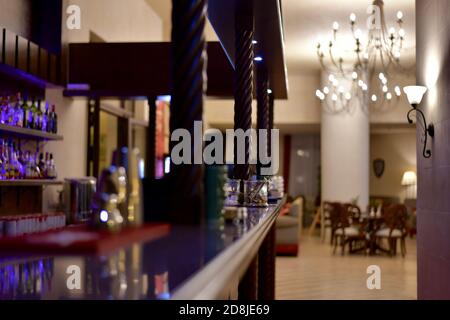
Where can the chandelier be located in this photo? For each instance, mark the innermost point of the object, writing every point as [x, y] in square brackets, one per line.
[364, 70]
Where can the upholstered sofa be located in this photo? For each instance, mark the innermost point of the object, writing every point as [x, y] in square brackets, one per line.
[288, 230]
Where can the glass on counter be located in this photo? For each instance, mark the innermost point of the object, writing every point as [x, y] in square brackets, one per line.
[256, 193]
[232, 192]
[276, 187]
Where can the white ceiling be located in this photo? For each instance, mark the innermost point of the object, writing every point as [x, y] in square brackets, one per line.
[307, 20]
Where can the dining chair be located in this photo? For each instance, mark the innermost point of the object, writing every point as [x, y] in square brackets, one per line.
[346, 226]
[325, 222]
[394, 228]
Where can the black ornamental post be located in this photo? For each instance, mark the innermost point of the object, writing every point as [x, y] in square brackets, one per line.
[189, 86]
[262, 109]
[243, 91]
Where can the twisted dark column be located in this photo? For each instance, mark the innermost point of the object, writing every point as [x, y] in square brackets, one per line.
[150, 167]
[189, 79]
[243, 94]
[262, 112]
[271, 120]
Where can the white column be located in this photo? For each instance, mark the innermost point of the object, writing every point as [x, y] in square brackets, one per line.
[345, 152]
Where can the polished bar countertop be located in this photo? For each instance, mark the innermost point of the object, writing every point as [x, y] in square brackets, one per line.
[189, 263]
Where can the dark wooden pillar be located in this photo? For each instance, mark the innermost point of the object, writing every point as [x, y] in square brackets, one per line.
[243, 94]
[262, 96]
[271, 120]
[123, 130]
[189, 79]
[266, 265]
[248, 286]
[287, 161]
[93, 138]
[267, 252]
[150, 157]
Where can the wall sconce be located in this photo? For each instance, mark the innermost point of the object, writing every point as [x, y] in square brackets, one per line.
[415, 95]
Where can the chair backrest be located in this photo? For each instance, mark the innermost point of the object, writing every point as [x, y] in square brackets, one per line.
[354, 212]
[327, 207]
[339, 215]
[395, 216]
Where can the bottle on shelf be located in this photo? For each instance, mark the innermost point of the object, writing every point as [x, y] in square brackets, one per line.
[16, 164]
[53, 121]
[2, 161]
[38, 116]
[25, 112]
[45, 119]
[4, 110]
[32, 114]
[9, 112]
[18, 114]
[51, 168]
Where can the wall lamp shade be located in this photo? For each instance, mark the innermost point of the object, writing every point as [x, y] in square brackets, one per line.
[409, 178]
[415, 94]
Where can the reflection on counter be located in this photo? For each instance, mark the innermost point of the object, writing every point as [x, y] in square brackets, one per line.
[141, 271]
[26, 280]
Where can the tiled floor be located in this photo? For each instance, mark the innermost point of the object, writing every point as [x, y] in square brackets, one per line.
[318, 274]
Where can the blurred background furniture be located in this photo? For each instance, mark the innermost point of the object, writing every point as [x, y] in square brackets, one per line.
[347, 227]
[288, 229]
[393, 229]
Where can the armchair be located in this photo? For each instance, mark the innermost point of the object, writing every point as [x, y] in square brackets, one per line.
[288, 229]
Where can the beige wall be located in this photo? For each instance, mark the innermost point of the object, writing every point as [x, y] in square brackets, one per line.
[433, 205]
[399, 152]
[112, 20]
[13, 14]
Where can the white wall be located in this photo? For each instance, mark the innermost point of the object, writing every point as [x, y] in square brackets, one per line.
[345, 154]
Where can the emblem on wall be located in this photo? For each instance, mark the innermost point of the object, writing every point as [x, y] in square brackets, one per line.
[378, 167]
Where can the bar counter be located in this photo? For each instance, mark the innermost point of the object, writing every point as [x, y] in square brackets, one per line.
[188, 263]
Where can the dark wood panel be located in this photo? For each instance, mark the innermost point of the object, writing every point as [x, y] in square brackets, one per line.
[138, 69]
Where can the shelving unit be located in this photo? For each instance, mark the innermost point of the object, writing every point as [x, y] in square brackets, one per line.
[29, 183]
[29, 134]
[30, 69]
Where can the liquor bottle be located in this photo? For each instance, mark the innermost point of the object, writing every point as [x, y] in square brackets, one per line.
[2, 110]
[54, 120]
[4, 105]
[38, 116]
[46, 165]
[9, 112]
[25, 112]
[11, 164]
[51, 171]
[18, 114]
[2, 164]
[17, 167]
[41, 165]
[28, 166]
[31, 112]
[45, 119]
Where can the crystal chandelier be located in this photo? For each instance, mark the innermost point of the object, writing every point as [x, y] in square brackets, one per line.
[367, 65]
